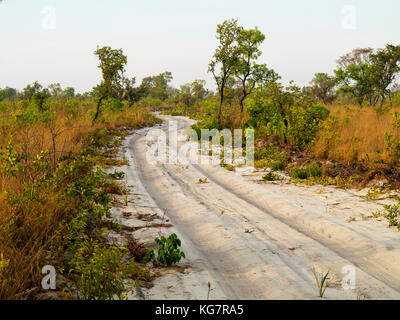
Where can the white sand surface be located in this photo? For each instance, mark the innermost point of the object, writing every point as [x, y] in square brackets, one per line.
[256, 240]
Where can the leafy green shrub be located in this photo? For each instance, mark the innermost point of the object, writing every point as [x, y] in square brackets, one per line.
[118, 175]
[277, 165]
[113, 104]
[152, 102]
[208, 124]
[300, 173]
[392, 214]
[168, 251]
[98, 271]
[315, 171]
[270, 176]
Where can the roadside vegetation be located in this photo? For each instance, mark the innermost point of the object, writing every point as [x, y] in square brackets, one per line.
[342, 129]
[55, 196]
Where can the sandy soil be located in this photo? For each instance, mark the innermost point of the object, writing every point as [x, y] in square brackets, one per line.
[256, 240]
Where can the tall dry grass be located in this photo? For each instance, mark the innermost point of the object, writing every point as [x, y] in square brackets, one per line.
[27, 228]
[354, 133]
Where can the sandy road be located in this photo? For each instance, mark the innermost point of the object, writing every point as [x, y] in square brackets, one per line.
[260, 241]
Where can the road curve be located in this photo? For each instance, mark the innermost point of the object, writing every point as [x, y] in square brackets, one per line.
[256, 242]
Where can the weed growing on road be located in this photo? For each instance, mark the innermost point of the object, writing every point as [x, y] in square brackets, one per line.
[321, 281]
[373, 194]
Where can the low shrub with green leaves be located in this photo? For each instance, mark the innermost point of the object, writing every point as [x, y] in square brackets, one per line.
[392, 214]
[277, 165]
[310, 171]
[168, 251]
[270, 176]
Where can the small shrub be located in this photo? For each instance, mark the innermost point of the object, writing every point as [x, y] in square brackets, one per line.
[270, 176]
[392, 214]
[118, 175]
[168, 251]
[278, 166]
[373, 194]
[98, 271]
[299, 173]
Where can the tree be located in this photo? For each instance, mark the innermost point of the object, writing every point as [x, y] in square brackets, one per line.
[357, 56]
[157, 86]
[131, 93]
[355, 76]
[247, 70]
[385, 68]
[368, 75]
[186, 95]
[323, 87]
[112, 65]
[198, 90]
[40, 97]
[55, 89]
[69, 92]
[8, 93]
[30, 90]
[225, 58]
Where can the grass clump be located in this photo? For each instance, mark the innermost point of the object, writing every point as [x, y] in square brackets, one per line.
[321, 280]
[277, 165]
[310, 171]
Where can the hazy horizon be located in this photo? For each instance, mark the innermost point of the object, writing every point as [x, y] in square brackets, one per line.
[54, 41]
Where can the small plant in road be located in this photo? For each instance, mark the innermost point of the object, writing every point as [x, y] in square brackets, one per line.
[168, 251]
[321, 281]
[203, 181]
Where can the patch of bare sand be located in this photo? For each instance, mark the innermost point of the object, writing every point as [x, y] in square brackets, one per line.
[253, 240]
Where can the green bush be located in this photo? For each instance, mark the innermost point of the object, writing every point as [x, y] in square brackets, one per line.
[300, 173]
[168, 251]
[98, 271]
[113, 104]
[270, 176]
[392, 214]
[277, 165]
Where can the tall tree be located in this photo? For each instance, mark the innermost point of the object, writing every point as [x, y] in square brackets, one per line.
[246, 69]
[112, 65]
[355, 77]
[225, 58]
[385, 68]
[131, 93]
[8, 93]
[55, 89]
[323, 87]
[198, 90]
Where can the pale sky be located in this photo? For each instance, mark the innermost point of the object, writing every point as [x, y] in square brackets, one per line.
[53, 40]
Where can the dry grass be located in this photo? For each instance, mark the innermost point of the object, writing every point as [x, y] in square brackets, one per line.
[357, 135]
[28, 228]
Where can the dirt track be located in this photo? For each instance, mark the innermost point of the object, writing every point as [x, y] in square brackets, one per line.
[259, 241]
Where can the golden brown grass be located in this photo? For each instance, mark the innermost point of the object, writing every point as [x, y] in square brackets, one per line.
[357, 135]
[27, 230]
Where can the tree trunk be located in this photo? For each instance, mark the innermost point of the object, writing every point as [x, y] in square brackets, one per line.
[98, 109]
[383, 97]
[241, 101]
[221, 101]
